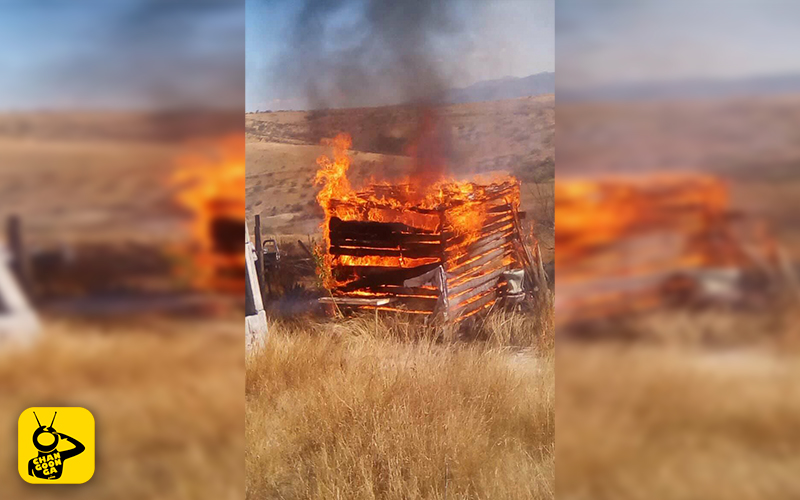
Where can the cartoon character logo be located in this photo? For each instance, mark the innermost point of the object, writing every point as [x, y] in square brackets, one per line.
[49, 463]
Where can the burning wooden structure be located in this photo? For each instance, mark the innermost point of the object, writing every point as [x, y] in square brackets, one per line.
[211, 181]
[451, 249]
[629, 244]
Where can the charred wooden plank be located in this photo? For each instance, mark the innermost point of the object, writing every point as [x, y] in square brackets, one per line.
[478, 260]
[413, 252]
[472, 257]
[413, 303]
[371, 276]
[480, 246]
[372, 228]
[476, 281]
[473, 292]
[396, 239]
[491, 218]
[356, 301]
[364, 206]
[418, 303]
[488, 228]
[484, 306]
[507, 190]
[499, 209]
[397, 310]
[393, 240]
[405, 291]
[479, 302]
[503, 223]
[469, 272]
[454, 245]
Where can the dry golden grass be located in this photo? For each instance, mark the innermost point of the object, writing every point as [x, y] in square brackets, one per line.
[678, 419]
[88, 190]
[166, 397]
[354, 410]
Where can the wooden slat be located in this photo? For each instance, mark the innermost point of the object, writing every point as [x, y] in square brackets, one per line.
[507, 190]
[357, 301]
[451, 268]
[412, 253]
[413, 303]
[380, 206]
[467, 308]
[369, 276]
[499, 232]
[360, 231]
[402, 290]
[475, 310]
[485, 230]
[476, 281]
[499, 209]
[397, 310]
[468, 272]
[490, 219]
[480, 246]
[456, 264]
[372, 228]
[473, 292]
[395, 240]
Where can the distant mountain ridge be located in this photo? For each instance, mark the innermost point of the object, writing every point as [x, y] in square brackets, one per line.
[688, 89]
[504, 88]
[509, 87]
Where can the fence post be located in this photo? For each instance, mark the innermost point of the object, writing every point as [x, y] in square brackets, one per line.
[20, 264]
[259, 256]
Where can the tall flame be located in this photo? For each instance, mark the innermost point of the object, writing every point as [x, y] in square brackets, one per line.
[211, 187]
[415, 201]
[594, 215]
[332, 175]
[616, 232]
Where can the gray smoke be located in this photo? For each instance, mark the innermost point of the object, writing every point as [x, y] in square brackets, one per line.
[348, 53]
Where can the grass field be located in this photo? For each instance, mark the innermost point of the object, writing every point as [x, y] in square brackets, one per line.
[166, 397]
[388, 408]
[700, 405]
[98, 177]
[678, 419]
[391, 410]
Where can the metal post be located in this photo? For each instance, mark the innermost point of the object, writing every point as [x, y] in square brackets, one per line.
[20, 264]
[259, 255]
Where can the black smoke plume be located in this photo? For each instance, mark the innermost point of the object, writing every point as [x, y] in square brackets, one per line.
[351, 53]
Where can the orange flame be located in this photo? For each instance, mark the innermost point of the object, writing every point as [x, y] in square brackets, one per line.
[631, 229]
[211, 188]
[458, 208]
[593, 215]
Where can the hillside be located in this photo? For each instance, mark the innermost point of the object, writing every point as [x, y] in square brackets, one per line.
[516, 136]
[754, 143]
[98, 175]
[504, 88]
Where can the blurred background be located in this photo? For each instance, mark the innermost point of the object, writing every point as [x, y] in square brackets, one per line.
[677, 249]
[122, 209]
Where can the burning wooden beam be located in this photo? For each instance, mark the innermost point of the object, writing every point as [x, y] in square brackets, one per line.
[471, 258]
[440, 248]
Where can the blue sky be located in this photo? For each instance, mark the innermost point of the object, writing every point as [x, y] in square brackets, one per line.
[626, 41]
[502, 38]
[120, 53]
[109, 53]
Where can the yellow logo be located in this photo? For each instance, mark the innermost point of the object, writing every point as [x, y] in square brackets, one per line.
[56, 445]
